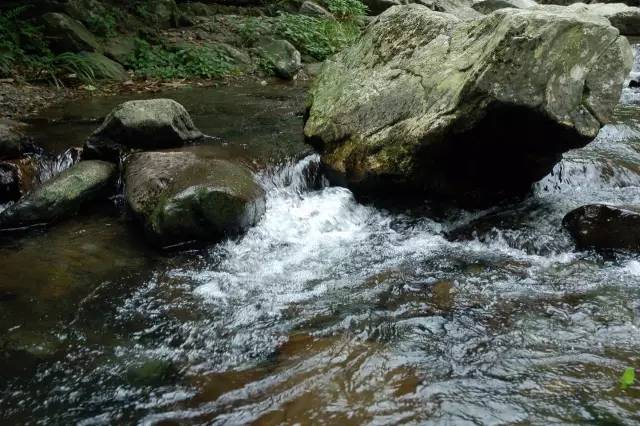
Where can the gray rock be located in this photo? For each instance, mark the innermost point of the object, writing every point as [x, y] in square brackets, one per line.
[601, 226]
[471, 110]
[282, 56]
[144, 124]
[66, 34]
[488, 6]
[623, 17]
[183, 196]
[105, 68]
[163, 13]
[61, 196]
[120, 49]
[310, 8]
[459, 8]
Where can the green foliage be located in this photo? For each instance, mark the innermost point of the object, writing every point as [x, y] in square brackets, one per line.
[159, 62]
[628, 378]
[103, 25]
[249, 31]
[18, 40]
[347, 10]
[316, 37]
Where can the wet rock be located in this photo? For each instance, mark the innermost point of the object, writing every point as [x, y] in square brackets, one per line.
[120, 49]
[12, 139]
[310, 8]
[459, 8]
[61, 196]
[16, 178]
[181, 196]
[66, 34]
[472, 111]
[105, 68]
[152, 372]
[488, 6]
[602, 226]
[145, 124]
[282, 56]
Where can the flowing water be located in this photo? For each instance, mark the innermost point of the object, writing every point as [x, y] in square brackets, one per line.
[328, 311]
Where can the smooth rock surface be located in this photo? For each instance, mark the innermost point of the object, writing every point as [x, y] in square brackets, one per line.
[67, 34]
[105, 68]
[624, 18]
[474, 110]
[282, 56]
[181, 196]
[310, 8]
[61, 196]
[144, 124]
[602, 226]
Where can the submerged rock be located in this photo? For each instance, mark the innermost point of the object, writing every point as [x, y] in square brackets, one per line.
[67, 34]
[61, 196]
[282, 56]
[145, 124]
[181, 196]
[151, 372]
[474, 110]
[604, 227]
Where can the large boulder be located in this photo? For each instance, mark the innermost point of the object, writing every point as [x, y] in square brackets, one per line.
[66, 34]
[601, 226]
[281, 55]
[183, 196]
[471, 110]
[61, 196]
[624, 18]
[144, 124]
[121, 49]
[105, 68]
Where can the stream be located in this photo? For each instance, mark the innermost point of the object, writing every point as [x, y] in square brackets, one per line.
[329, 310]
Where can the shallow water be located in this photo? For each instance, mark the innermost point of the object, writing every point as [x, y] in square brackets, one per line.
[330, 311]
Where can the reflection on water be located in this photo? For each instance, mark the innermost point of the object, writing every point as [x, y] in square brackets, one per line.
[333, 311]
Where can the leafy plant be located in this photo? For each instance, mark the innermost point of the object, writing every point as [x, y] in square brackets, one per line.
[316, 37]
[628, 378]
[104, 24]
[196, 61]
[347, 10]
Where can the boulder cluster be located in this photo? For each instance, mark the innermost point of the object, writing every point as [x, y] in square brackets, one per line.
[177, 194]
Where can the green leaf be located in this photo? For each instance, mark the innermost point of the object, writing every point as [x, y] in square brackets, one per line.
[628, 378]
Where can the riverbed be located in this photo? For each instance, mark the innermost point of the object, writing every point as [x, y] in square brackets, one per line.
[329, 310]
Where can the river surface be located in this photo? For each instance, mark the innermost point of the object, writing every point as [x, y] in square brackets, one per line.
[328, 311]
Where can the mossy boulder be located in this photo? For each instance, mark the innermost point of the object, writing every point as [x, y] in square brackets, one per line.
[601, 226]
[66, 34]
[62, 196]
[105, 68]
[281, 55]
[469, 110]
[121, 49]
[183, 196]
[144, 124]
